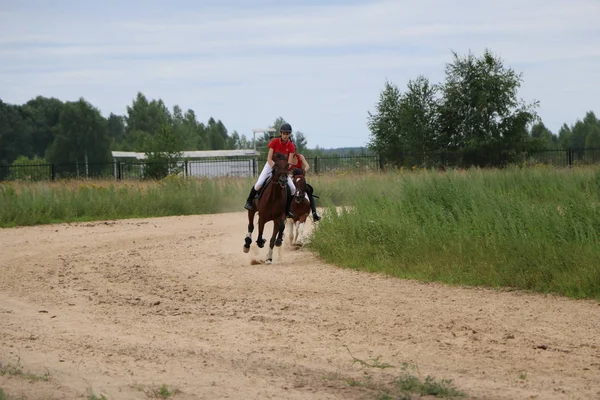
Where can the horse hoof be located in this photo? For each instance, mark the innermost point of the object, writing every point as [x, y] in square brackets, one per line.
[278, 243]
[246, 249]
[260, 244]
[248, 242]
[269, 261]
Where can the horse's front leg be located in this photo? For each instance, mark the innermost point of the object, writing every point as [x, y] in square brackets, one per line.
[299, 231]
[248, 239]
[260, 242]
[272, 243]
[280, 230]
[295, 233]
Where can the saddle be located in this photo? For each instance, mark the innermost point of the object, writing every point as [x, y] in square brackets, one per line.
[262, 189]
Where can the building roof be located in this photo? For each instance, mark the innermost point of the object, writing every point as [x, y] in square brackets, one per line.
[192, 154]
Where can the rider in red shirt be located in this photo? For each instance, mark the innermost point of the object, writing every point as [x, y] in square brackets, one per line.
[286, 147]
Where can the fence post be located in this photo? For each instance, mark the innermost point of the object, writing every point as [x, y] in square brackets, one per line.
[185, 173]
[119, 176]
[316, 166]
[380, 159]
[52, 172]
[569, 157]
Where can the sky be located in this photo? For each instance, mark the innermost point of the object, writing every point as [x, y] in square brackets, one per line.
[320, 65]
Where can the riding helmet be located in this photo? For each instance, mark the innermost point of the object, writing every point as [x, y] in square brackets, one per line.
[285, 127]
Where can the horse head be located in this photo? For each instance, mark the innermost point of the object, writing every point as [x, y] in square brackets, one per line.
[300, 183]
[280, 171]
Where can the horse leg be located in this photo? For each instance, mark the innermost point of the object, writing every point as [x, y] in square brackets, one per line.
[299, 232]
[295, 233]
[290, 228]
[272, 244]
[261, 227]
[248, 239]
[280, 230]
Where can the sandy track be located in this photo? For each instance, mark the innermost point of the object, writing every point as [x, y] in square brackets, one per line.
[124, 307]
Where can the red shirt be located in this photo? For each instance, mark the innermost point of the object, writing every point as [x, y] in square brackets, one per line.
[298, 164]
[284, 148]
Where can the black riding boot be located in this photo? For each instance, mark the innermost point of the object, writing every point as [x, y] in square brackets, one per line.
[288, 203]
[313, 207]
[250, 201]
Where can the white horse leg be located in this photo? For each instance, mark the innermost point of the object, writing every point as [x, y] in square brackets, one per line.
[269, 256]
[300, 232]
[294, 233]
[290, 228]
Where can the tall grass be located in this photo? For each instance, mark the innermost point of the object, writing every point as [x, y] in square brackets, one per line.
[43, 203]
[536, 229]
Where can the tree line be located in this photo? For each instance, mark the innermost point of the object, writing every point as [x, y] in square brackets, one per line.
[48, 130]
[475, 112]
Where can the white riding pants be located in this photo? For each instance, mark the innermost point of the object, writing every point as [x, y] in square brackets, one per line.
[266, 172]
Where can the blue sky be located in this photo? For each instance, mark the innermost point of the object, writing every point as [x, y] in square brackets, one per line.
[321, 65]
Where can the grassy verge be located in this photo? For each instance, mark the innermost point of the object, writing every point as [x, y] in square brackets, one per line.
[70, 201]
[536, 229]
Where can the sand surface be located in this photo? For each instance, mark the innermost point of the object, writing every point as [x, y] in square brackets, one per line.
[121, 308]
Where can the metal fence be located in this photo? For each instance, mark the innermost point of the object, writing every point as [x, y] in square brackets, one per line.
[250, 167]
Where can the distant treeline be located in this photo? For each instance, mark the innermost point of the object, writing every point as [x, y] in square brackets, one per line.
[50, 130]
[475, 111]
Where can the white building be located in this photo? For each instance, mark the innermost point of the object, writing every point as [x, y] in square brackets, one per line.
[201, 163]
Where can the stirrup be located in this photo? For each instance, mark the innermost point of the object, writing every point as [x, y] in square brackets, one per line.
[248, 206]
[316, 217]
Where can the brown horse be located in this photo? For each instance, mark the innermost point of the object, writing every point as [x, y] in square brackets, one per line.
[300, 208]
[270, 207]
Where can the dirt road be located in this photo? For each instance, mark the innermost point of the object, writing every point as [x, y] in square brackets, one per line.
[121, 308]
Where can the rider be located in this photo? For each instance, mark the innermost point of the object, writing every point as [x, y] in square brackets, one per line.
[282, 145]
[299, 162]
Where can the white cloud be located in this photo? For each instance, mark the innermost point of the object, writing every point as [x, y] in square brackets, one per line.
[319, 66]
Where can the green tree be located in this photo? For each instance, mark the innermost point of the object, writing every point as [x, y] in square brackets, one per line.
[81, 138]
[192, 132]
[384, 124]
[564, 136]
[115, 129]
[163, 154]
[542, 137]
[405, 126]
[14, 134]
[239, 142]
[592, 127]
[35, 169]
[300, 142]
[42, 115]
[217, 135]
[578, 139]
[145, 119]
[419, 109]
[480, 112]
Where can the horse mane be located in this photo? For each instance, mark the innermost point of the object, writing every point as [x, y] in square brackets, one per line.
[279, 156]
